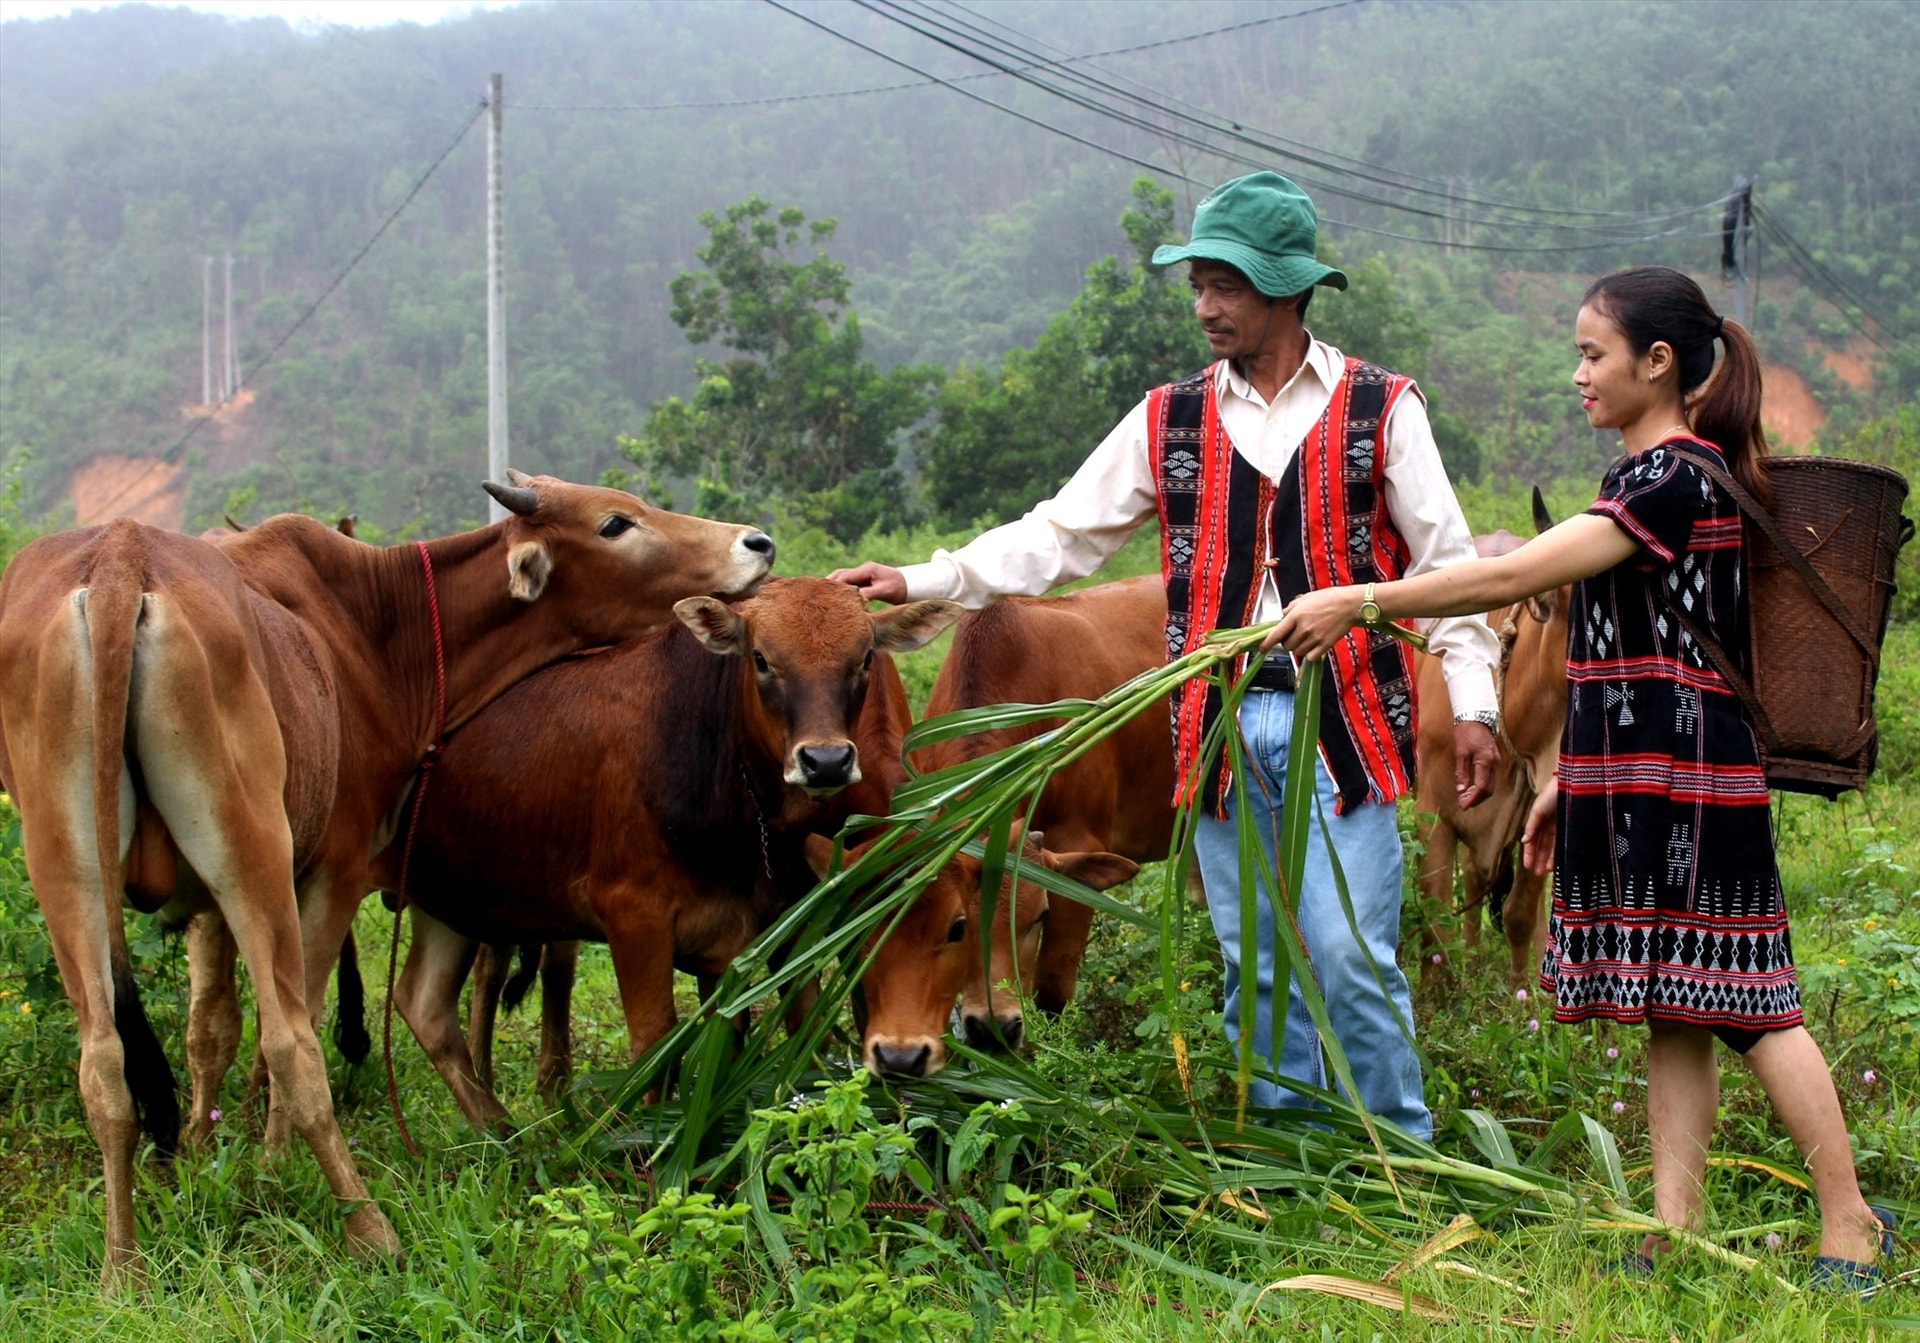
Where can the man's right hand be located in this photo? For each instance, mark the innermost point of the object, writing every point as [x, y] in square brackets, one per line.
[877, 582]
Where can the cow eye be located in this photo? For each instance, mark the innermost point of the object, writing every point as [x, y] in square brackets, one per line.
[614, 526]
[867, 663]
[1041, 917]
[760, 663]
[958, 931]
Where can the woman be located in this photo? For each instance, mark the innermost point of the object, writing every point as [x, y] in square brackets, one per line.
[1667, 906]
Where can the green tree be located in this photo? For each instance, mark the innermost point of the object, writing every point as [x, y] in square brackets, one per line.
[1011, 435]
[795, 416]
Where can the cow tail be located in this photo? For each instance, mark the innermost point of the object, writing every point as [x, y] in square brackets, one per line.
[350, 1021]
[1502, 888]
[515, 989]
[113, 609]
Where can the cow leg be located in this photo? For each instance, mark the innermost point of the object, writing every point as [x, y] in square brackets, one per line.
[1062, 947]
[641, 940]
[268, 935]
[323, 917]
[491, 967]
[1435, 881]
[81, 929]
[428, 998]
[558, 969]
[1526, 929]
[213, 1017]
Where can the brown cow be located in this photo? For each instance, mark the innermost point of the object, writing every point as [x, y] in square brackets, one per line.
[1533, 709]
[202, 728]
[906, 996]
[654, 797]
[1116, 798]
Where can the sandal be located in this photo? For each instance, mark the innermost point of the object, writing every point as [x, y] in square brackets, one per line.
[1833, 1274]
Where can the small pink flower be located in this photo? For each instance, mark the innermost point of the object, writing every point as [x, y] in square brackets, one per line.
[213, 1116]
[1520, 995]
[1869, 1077]
[1773, 1240]
[1533, 1023]
[1612, 1053]
[1619, 1107]
[1437, 958]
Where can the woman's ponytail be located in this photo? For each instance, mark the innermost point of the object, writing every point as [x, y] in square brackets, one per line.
[1726, 411]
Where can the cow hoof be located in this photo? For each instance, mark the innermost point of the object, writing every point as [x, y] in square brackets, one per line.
[370, 1235]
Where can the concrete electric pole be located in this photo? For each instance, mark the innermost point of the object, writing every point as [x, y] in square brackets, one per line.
[496, 304]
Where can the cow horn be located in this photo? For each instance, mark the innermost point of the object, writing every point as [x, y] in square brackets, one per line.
[514, 498]
[1542, 520]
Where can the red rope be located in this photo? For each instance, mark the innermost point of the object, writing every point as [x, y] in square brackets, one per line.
[413, 824]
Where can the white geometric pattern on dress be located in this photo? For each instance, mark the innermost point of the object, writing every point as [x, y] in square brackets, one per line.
[1679, 853]
[1686, 710]
[1599, 631]
[1621, 695]
[1182, 465]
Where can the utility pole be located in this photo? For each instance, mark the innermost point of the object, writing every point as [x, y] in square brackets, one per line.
[496, 304]
[227, 388]
[206, 331]
[1736, 245]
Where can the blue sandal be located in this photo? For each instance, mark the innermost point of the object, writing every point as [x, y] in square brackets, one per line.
[1834, 1274]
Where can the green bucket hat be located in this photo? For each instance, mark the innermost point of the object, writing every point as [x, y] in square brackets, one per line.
[1263, 226]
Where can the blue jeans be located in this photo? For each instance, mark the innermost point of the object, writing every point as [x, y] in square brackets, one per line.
[1366, 1022]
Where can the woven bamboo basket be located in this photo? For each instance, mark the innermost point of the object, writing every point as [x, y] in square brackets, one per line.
[1809, 670]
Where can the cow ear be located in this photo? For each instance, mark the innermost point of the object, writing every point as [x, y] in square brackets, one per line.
[901, 629]
[716, 626]
[819, 851]
[1542, 606]
[529, 566]
[1099, 871]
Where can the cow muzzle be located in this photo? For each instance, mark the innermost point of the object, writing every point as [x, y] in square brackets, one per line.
[824, 767]
[908, 1058]
[993, 1035]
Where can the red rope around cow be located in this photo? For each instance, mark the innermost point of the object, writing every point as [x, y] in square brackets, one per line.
[413, 824]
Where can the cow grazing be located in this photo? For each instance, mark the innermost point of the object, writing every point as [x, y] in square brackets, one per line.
[196, 729]
[922, 964]
[1486, 839]
[654, 797]
[1117, 798]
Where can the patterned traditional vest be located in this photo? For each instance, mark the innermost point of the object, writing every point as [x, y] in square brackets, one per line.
[1322, 524]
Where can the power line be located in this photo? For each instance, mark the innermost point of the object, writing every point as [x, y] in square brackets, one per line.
[1095, 92]
[926, 82]
[1825, 282]
[253, 369]
[1125, 156]
[1268, 140]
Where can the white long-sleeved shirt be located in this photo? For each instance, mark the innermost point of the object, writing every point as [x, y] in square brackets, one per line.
[1078, 529]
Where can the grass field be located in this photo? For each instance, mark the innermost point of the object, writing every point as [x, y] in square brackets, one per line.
[1058, 1215]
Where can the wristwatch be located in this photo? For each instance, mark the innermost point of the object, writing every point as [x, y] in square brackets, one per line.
[1486, 718]
[1369, 608]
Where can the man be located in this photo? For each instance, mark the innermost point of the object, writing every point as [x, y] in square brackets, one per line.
[1283, 467]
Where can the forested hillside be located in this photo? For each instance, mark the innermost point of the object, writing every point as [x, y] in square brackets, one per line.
[946, 350]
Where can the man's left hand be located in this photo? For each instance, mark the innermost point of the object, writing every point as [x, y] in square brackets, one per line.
[1474, 758]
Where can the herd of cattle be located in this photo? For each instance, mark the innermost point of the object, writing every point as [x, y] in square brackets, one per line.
[593, 720]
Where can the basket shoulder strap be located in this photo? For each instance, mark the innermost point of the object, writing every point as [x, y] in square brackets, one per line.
[1770, 527]
[1717, 655]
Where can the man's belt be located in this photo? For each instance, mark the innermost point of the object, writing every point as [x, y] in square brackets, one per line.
[1276, 673]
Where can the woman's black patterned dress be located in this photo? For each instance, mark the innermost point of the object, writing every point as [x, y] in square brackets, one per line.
[1666, 897]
